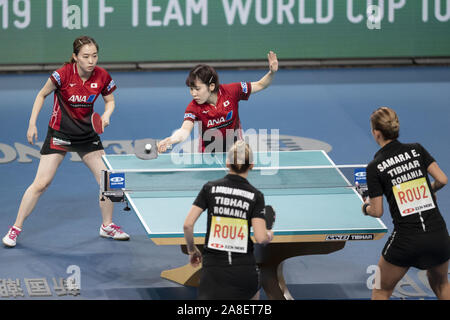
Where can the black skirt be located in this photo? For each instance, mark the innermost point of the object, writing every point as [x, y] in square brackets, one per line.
[420, 250]
[232, 282]
[55, 144]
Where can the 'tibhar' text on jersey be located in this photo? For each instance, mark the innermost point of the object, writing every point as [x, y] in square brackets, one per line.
[400, 172]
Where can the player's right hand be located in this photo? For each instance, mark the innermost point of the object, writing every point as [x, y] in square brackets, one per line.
[31, 134]
[163, 144]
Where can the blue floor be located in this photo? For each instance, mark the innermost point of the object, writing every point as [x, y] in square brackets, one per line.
[311, 108]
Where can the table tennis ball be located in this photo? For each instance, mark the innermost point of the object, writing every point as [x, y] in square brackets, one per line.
[148, 147]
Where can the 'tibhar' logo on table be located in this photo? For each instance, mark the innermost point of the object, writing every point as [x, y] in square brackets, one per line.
[349, 237]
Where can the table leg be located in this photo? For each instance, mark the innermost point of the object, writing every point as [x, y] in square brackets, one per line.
[186, 275]
[270, 261]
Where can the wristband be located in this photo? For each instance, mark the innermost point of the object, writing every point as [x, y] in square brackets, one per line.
[364, 208]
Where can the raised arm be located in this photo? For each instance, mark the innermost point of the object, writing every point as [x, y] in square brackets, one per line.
[265, 81]
[48, 88]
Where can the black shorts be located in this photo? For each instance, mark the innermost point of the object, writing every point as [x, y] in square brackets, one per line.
[235, 282]
[54, 144]
[420, 250]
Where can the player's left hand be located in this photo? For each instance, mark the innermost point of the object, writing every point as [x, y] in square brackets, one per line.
[105, 121]
[195, 257]
[273, 61]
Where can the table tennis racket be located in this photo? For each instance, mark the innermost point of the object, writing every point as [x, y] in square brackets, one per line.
[362, 190]
[146, 149]
[97, 124]
[269, 215]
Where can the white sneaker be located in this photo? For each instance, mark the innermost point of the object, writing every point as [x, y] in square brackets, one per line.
[10, 239]
[113, 231]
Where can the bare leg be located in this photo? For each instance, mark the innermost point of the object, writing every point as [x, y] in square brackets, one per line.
[390, 275]
[256, 296]
[48, 165]
[438, 279]
[94, 162]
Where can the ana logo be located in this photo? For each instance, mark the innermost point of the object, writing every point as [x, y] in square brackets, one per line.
[216, 122]
[360, 174]
[85, 99]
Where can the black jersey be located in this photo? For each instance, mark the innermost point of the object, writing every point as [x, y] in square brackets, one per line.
[399, 171]
[231, 202]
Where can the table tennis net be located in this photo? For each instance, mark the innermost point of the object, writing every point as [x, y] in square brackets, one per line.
[319, 179]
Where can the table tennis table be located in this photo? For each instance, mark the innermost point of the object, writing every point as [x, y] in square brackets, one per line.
[317, 209]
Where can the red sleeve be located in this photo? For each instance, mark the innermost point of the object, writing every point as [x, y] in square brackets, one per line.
[109, 84]
[59, 77]
[191, 112]
[240, 90]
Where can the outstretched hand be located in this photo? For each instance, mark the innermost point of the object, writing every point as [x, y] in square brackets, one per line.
[273, 61]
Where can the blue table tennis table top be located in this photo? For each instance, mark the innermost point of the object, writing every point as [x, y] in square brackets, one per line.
[161, 192]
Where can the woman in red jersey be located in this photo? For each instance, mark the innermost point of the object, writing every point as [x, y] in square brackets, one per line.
[76, 86]
[215, 106]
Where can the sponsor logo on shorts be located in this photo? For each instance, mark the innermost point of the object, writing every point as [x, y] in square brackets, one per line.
[60, 142]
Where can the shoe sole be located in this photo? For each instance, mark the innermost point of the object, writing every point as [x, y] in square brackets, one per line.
[109, 237]
[8, 245]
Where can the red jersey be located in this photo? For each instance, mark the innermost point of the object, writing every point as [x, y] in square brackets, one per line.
[223, 116]
[74, 101]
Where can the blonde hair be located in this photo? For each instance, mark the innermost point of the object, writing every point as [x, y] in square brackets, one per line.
[240, 157]
[386, 121]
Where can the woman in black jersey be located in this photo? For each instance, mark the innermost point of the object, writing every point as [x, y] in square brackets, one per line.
[229, 269]
[420, 238]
